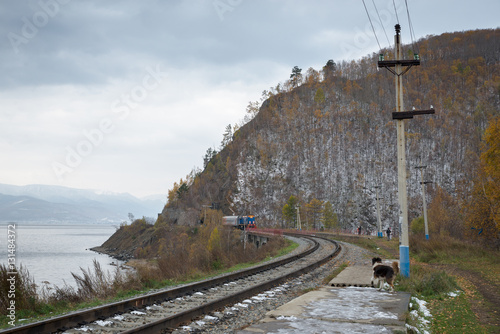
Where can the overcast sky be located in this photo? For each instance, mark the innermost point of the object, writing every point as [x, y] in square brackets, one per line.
[127, 96]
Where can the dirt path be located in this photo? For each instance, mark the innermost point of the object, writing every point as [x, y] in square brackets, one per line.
[487, 312]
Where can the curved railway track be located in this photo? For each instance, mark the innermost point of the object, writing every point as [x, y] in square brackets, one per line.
[167, 309]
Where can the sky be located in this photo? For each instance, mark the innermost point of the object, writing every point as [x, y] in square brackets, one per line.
[127, 96]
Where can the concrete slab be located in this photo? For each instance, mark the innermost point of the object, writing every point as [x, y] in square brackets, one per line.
[353, 276]
[338, 310]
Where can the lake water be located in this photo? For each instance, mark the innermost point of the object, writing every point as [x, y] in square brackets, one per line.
[52, 252]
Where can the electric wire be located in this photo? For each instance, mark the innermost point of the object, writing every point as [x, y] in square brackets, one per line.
[369, 18]
[412, 32]
[414, 46]
[388, 42]
[395, 11]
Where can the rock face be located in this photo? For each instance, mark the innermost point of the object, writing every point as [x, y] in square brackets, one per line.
[184, 217]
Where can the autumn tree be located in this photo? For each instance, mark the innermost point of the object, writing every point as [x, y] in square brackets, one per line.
[490, 160]
[251, 111]
[315, 210]
[290, 212]
[483, 214]
[319, 97]
[172, 193]
[444, 216]
[330, 219]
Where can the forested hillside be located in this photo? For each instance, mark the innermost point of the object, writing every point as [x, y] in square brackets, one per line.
[326, 136]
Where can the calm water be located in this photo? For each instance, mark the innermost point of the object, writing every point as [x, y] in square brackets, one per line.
[52, 252]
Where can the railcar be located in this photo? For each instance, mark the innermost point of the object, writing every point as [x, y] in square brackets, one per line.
[241, 222]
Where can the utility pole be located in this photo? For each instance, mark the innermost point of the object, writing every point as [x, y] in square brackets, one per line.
[299, 225]
[423, 199]
[399, 67]
[380, 234]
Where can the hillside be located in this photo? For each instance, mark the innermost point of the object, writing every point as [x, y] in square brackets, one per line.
[328, 135]
[56, 204]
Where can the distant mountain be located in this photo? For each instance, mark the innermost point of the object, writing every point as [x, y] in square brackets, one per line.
[57, 204]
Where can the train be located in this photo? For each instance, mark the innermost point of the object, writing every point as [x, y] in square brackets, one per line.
[241, 222]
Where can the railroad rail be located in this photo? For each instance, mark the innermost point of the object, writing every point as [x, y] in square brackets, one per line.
[81, 318]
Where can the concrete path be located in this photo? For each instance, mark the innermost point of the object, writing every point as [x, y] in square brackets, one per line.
[353, 276]
[355, 308]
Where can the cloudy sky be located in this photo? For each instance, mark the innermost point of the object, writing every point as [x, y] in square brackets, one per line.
[127, 96]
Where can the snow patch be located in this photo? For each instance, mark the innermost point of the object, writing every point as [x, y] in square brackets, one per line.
[421, 315]
[103, 323]
[354, 303]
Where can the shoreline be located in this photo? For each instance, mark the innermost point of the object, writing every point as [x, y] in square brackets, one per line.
[115, 253]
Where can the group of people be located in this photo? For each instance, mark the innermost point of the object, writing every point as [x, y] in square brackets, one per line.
[388, 232]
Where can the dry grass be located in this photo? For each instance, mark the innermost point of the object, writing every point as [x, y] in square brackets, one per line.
[25, 289]
[183, 257]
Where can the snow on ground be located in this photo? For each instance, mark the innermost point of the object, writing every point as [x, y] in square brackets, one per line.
[353, 306]
[354, 303]
[306, 326]
[420, 315]
[103, 323]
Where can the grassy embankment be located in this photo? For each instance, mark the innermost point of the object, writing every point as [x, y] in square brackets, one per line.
[441, 266]
[96, 287]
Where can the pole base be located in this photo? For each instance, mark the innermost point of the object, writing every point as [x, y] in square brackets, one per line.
[380, 235]
[404, 260]
[426, 237]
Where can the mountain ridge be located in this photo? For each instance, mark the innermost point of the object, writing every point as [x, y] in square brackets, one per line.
[57, 204]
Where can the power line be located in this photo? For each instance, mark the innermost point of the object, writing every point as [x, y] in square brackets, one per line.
[369, 18]
[389, 43]
[395, 11]
[412, 32]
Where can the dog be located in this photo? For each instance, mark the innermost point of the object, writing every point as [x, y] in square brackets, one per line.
[384, 273]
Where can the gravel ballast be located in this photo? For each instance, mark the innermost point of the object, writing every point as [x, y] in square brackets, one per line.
[249, 311]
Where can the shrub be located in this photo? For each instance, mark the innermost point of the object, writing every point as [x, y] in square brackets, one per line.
[417, 226]
[426, 282]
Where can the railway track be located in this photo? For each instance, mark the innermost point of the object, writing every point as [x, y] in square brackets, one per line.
[167, 309]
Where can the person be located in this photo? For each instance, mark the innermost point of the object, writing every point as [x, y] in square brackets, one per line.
[359, 230]
[388, 233]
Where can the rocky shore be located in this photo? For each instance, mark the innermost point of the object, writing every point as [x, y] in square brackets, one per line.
[118, 254]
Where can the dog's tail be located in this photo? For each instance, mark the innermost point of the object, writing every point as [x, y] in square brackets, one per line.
[395, 267]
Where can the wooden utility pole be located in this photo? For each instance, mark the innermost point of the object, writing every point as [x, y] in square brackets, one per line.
[399, 67]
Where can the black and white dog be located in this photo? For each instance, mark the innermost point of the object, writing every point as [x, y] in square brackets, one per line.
[384, 273]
